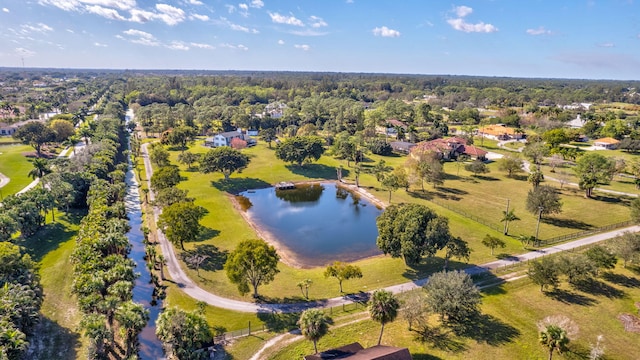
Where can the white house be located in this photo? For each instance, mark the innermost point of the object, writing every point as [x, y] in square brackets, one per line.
[7, 129]
[275, 110]
[225, 138]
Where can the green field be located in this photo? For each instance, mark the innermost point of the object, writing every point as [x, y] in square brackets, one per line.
[484, 197]
[508, 327]
[16, 166]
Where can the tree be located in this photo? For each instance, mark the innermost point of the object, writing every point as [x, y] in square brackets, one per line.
[414, 309]
[165, 177]
[223, 159]
[180, 136]
[493, 242]
[457, 248]
[383, 308]
[555, 137]
[253, 263]
[543, 200]
[453, 296]
[304, 287]
[592, 170]
[62, 129]
[627, 247]
[183, 333]
[342, 272]
[36, 134]
[507, 217]
[40, 169]
[300, 149]
[511, 164]
[8, 227]
[314, 324]
[601, 258]
[380, 147]
[188, 158]
[535, 151]
[536, 176]
[544, 273]
[578, 268]
[132, 318]
[268, 135]
[426, 166]
[411, 231]
[238, 144]
[554, 338]
[181, 222]
[477, 167]
[391, 183]
[171, 195]
[159, 155]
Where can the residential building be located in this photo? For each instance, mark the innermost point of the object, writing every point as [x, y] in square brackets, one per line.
[356, 351]
[450, 148]
[500, 132]
[606, 143]
[225, 138]
[402, 146]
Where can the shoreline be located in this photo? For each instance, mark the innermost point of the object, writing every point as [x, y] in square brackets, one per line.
[287, 257]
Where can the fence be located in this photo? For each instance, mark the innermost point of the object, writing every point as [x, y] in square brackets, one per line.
[580, 234]
[493, 226]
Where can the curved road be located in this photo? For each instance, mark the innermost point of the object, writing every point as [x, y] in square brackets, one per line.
[192, 289]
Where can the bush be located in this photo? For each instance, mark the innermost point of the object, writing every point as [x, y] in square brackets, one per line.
[380, 147]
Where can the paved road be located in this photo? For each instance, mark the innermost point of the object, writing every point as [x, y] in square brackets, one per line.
[4, 180]
[190, 288]
[62, 154]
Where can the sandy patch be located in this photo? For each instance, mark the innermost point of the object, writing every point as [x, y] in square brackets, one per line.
[287, 256]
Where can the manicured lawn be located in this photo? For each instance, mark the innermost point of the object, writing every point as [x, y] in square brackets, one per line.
[508, 330]
[483, 197]
[51, 247]
[16, 166]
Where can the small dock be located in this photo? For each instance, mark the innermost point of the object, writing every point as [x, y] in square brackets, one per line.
[284, 185]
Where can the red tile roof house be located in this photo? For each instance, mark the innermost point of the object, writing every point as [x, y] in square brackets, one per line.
[450, 148]
[355, 351]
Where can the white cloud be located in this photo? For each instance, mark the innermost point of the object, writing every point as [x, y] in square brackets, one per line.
[24, 52]
[195, 2]
[171, 15]
[105, 12]
[304, 47]
[230, 8]
[235, 47]
[118, 4]
[70, 31]
[539, 31]
[317, 22]
[349, 1]
[99, 44]
[606, 45]
[462, 11]
[289, 20]
[200, 17]
[257, 4]
[141, 16]
[243, 6]
[461, 25]
[66, 5]
[5, 10]
[244, 10]
[308, 32]
[140, 37]
[178, 45]
[280, 42]
[201, 46]
[236, 27]
[38, 28]
[385, 32]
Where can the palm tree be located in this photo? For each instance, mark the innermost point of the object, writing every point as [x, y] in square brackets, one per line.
[314, 324]
[383, 308]
[40, 169]
[555, 338]
[71, 142]
[132, 318]
[507, 217]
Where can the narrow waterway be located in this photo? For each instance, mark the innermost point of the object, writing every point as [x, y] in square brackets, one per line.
[150, 346]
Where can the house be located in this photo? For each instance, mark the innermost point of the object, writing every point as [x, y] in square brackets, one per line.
[606, 143]
[391, 127]
[7, 129]
[450, 148]
[225, 138]
[500, 132]
[402, 146]
[275, 110]
[355, 351]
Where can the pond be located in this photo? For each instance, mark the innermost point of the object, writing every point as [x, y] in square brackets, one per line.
[314, 224]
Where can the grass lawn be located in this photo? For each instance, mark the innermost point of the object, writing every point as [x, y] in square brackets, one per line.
[16, 166]
[225, 228]
[51, 248]
[508, 328]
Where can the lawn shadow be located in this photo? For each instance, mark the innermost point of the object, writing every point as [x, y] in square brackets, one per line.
[424, 195]
[47, 239]
[213, 260]
[52, 341]
[484, 328]
[237, 185]
[207, 233]
[439, 339]
[520, 177]
[622, 280]
[599, 288]
[279, 322]
[569, 297]
[316, 171]
[486, 178]
[610, 199]
[567, 223]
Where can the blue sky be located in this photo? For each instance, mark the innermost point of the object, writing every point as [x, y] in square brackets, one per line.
[524, 38]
